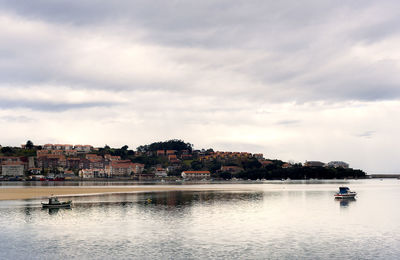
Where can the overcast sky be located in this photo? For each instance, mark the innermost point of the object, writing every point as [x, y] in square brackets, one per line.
[295, 80]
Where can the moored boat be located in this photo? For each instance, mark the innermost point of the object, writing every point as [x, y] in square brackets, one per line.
[345, 193]
[55, 203]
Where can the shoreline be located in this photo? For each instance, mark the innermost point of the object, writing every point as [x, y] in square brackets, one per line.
[44, 192]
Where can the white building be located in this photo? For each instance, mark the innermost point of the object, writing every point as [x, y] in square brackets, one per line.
[92, 173]
[83, 148]
[161, 172]
[338, 164]
[12, 170]
[196, 174]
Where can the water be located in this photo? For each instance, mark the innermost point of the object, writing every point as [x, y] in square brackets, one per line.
[275, 220]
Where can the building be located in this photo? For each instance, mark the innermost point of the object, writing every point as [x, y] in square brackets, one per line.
[124, 168]
[199, 175]
[186, 156]
[48, 147]
[83, 148]
[12, 160]
[111, 158]
[337, 164]
[4, 159]
[73, 163]
[42, 152]
[172, 158]
[35, 171]
[161, 172]
[314, 164]
[286, 165]
[12, 169]
[92, 173]
[170, 152]
[51, 161]
[258, 156]
[265, 163]
[160, 152]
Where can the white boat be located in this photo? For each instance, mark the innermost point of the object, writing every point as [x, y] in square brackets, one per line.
[345, 193]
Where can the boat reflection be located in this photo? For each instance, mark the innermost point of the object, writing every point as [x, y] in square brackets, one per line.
[345, 202]
[54, 211]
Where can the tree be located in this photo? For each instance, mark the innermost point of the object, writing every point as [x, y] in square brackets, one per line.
[29, 144]
[196, 165]
[6, 150]
[251, 164]
[174, 144]
[225, 175]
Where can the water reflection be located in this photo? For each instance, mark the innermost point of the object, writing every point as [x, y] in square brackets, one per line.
[345, 202]
[274, 221]
[54, 211]
[169, 199]
[174, 201]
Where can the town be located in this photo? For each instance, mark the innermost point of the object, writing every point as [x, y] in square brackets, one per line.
[169, 160]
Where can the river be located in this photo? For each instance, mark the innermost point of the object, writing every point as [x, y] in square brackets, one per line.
[272, 220]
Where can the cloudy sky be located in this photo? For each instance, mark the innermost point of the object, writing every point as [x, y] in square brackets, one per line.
[295, 80]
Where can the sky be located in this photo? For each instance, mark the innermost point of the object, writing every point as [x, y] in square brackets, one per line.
[294, 80]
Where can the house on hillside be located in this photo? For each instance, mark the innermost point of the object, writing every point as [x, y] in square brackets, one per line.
[338, 164]
[314, 164]
[160, 152]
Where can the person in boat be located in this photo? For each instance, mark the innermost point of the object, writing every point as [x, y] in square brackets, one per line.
[54, 202]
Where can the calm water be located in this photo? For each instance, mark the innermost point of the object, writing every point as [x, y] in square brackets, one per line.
[276, 220]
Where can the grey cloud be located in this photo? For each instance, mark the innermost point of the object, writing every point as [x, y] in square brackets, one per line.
[15, 119]
[50, 106]
[238, 146]
[207, 23]
[294, 41]
[366, 134]
[289, 122]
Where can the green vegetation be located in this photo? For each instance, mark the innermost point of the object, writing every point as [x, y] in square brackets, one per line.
[300, 172]
[174, 144]
[16, 151]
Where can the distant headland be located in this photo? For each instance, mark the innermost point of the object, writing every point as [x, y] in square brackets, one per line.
[172, 159]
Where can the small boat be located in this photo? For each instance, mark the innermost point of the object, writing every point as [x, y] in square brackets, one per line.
[54, 203]
[345, 193]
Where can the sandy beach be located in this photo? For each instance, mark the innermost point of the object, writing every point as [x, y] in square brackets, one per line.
[40, 192]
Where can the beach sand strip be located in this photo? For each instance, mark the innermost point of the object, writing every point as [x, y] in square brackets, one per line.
[41, 192]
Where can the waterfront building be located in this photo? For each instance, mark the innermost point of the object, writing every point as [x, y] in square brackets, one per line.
[161, 172]
[196, 175]
[92, 173]
[12, 169]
